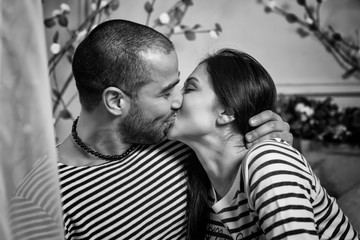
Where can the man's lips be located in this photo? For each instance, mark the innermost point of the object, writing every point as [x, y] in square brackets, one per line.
[168, 124]
[171, 119]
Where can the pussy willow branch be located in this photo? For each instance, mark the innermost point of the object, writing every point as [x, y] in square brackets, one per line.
[178, 4]
[56, 58]
[334, 47]
[195, 31]
[317, 14]
[150, 12]
[62, 91]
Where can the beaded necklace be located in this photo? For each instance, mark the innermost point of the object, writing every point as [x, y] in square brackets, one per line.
[95, 153]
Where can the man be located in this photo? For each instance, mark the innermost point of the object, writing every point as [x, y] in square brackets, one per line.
[119, 177]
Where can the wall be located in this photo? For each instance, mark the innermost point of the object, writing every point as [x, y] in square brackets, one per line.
[297, 65]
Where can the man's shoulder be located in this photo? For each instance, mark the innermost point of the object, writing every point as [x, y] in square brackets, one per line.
[170, 147]
[172, 142]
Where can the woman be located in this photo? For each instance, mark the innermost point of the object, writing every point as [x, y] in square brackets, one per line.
[267, 191]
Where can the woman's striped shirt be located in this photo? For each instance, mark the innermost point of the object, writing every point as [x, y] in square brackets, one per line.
[276, 195]
[140, 197]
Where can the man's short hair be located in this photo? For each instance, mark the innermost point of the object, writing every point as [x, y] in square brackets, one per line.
[111, 56]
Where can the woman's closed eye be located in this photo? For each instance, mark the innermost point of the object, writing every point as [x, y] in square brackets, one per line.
[188, 88]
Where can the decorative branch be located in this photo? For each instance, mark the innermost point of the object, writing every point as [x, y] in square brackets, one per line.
[344, 50]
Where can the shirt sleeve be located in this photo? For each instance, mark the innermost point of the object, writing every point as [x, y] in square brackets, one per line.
[35, 208]
[278, 184]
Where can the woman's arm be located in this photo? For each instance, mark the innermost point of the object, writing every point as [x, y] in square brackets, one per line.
[280, 188]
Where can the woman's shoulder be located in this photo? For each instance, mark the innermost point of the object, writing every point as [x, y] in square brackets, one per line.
[275, 149]
[273, 161]
[270, 144]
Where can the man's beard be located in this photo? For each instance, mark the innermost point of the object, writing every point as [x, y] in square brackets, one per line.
[136, 128]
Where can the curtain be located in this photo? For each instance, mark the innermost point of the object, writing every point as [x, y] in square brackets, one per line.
[29, 189]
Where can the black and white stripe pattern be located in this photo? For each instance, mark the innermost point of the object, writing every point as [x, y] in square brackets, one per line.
[277, 195]
[140, 197]
[35, 210]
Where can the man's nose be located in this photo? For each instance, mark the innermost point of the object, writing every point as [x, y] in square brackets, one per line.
[177, 100]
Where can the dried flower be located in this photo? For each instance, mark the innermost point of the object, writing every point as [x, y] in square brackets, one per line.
[177, 29]
[164, 18]
[308, 20]
[309, 111]
[300, 107]
[271, 4]
[103, 3]
[65, 8]
[56, 13]
[213, 34]
[55, 48]
[93, 6]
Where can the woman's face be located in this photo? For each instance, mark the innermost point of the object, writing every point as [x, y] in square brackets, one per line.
[197, 115]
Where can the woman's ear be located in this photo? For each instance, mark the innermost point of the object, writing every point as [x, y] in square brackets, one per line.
[224, 118]
[115, 100]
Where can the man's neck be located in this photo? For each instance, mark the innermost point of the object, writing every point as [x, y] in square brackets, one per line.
[99, 135]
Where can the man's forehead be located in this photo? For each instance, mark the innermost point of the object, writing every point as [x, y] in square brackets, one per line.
[156, 86]
[166, 83]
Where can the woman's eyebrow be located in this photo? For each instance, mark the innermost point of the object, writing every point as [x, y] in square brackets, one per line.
[191, 79]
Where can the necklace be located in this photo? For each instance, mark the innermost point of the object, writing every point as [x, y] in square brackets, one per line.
[95, 153]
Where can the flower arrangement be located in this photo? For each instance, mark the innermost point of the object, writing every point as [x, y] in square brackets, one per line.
[321, 120]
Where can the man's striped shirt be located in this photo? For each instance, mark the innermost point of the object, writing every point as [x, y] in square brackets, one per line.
[140, 197]
[277, 196]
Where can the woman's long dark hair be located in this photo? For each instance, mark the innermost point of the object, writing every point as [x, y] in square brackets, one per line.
[244, 88]
[198, 208]
[242, 85]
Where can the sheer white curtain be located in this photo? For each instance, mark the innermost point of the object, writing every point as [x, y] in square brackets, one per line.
[29, 190]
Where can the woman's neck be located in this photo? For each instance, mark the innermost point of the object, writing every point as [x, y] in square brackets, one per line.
[221, 158]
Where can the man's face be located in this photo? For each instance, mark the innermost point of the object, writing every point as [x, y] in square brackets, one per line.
[152, 111]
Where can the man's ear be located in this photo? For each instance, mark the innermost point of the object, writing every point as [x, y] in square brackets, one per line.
[224, 118]
[115, 101]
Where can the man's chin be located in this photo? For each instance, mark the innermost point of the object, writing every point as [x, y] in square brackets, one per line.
[158, 138]
[145, 138]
